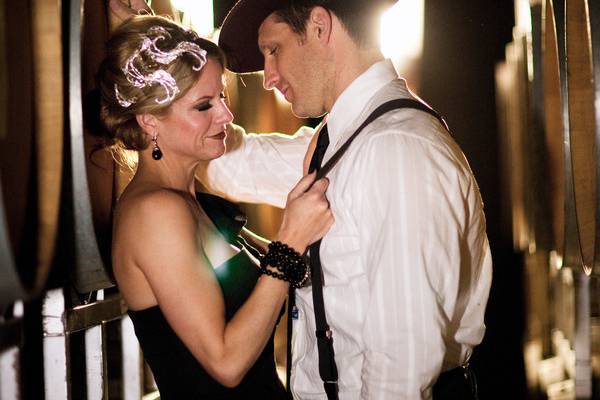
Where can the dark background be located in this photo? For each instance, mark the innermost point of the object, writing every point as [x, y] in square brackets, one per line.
[464, 40]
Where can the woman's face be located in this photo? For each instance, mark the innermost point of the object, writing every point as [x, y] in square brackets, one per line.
[195, 124]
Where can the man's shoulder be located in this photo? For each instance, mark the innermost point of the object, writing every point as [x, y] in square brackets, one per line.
[407, 128]
[412, 132]
[408, 121]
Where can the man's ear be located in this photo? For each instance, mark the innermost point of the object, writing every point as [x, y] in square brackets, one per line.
[148, 123]
[320, 23]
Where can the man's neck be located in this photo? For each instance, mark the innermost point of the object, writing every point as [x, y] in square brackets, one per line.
[351, 63]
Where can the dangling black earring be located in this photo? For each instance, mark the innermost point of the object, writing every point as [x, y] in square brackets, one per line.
[156, 153]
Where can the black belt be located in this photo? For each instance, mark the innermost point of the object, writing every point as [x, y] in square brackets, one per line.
[456, 384]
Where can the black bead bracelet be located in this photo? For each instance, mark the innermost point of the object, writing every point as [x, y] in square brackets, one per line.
[291, 266]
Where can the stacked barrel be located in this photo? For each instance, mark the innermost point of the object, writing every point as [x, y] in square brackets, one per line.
[59, 308]
[31, 127]
[64, 332]
[549, 107]
[31, 147]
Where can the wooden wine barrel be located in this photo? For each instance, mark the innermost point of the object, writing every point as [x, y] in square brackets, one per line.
[31, 143]
[554, 129]
[594, 15]
[520, 92]
[91, 174]
[579, 125]
[558, 135]
[569, 174]
[537, 158]
[594, 24]
[583, 131]
[524, 151]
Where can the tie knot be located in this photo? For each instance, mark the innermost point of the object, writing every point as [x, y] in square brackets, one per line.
[320, 149]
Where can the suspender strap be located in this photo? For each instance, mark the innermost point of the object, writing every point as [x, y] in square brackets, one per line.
[327, 367]
[288, 359]
[379, 111]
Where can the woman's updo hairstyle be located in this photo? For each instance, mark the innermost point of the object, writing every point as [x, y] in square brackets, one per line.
[116, 112]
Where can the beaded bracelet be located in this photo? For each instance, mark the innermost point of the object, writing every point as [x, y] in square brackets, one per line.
[290, 264]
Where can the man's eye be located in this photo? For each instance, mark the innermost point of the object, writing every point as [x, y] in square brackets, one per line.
[273, 51]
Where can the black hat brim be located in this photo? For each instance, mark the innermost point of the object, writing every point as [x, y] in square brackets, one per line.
[239, 34]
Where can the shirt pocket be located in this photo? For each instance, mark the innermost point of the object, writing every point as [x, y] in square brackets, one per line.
[341, 259]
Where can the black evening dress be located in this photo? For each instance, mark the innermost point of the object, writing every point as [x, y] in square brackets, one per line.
[177, 373]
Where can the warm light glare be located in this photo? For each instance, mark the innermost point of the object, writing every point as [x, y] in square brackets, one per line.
[556, 260]
[198, 13]
[523, 16]
[402, 30]
[280, 97]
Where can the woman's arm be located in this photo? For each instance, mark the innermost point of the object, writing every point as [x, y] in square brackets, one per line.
[164, 240]
[257, 168]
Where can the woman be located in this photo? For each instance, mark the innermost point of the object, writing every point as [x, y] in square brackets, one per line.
[202, 311]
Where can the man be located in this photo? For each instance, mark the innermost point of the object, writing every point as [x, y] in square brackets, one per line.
[406, 266]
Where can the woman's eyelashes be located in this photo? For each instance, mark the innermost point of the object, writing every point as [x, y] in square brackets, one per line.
[204, 106]
[207, 105]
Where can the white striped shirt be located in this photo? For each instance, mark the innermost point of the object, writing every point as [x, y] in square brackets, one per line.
[407, 266]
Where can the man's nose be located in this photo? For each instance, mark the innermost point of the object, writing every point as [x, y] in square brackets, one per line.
[271, 76]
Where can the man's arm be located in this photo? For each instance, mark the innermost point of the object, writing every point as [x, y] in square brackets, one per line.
[257, 168]
[411, 225]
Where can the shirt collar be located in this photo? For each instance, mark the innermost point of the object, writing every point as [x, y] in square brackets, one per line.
[357, 95]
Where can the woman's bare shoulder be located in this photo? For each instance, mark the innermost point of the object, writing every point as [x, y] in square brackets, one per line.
[152, 204]
[156, 236]
[151, 221]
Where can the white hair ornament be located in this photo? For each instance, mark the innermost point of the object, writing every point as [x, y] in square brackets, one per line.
[160, 76]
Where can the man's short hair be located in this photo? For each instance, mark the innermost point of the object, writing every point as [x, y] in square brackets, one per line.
[359, 17]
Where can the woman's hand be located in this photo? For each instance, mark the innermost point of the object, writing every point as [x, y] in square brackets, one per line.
[133, 7]
[307, 216]
[123, 9]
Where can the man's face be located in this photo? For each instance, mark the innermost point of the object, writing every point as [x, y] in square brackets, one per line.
[294, 66]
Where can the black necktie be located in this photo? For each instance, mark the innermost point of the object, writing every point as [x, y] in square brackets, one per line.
[317, 158]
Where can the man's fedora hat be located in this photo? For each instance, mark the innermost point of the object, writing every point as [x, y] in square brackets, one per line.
[239, 32]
